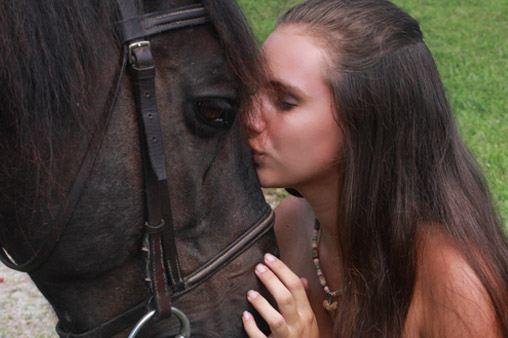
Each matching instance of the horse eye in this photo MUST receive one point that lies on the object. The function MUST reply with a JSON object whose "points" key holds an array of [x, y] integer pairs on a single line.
{"points": [[217, 113]]}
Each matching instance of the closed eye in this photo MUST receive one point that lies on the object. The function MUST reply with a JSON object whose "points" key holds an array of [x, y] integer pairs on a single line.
{"points": [[286, 102], [286, 105]]}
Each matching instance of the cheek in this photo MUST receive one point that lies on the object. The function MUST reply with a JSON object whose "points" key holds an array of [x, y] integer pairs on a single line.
{"points": [[291, 143], [325, 146]]}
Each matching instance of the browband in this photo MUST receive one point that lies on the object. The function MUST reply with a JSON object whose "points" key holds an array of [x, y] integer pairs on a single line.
{"points": [[132, 27]]}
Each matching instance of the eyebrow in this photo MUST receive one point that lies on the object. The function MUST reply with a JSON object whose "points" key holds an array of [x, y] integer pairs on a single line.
{"points": [[280, 86]]}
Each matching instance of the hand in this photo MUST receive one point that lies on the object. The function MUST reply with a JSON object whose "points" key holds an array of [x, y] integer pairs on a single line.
{"points": [[296, 318]]}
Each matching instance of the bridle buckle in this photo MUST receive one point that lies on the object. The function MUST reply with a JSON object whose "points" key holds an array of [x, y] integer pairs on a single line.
{"points": [[136, 45]]}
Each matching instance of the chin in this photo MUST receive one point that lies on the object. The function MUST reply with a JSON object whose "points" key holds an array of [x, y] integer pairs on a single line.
{"points": [[270, 179], [265, 183]]}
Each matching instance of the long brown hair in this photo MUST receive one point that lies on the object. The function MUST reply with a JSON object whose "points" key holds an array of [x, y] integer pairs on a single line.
{"points": [[405, 165]]}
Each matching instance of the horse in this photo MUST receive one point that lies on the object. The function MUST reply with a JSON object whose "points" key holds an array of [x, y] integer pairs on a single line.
{"points": [[130, 196]]}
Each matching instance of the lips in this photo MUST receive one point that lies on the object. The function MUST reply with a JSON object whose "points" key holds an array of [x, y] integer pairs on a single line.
{"points": [[257, 157], [257, 154]]}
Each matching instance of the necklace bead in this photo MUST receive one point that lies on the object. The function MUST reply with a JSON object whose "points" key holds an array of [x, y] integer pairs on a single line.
{"points": [[317, 265]]}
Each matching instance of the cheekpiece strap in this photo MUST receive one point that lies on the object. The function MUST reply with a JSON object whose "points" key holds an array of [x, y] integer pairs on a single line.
{"points": [[135, 27]]}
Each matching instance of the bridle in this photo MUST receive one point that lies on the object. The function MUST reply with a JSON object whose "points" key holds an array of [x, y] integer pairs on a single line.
{"points": [[164, 272]]}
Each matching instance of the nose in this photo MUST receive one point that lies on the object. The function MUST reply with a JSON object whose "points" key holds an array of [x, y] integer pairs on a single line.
{"points": [[255, 120], [255, 123]]}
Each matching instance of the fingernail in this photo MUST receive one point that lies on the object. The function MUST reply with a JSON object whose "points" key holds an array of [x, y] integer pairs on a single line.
{"points": [[252, 294], [269, 258], [260, 268], [246, 315]]}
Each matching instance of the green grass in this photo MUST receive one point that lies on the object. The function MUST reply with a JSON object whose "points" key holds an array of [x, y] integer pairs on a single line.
{"points": [[469, 41]]}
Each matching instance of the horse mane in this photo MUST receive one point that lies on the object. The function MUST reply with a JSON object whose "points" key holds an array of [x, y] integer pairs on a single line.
{"points": [[48, 69], [50, 64]]}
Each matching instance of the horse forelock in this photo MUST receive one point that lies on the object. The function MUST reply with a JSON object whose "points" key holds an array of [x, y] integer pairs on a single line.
{"points": [[238, 41]]}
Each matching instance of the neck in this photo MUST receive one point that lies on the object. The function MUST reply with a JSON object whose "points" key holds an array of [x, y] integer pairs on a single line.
{"points": [[323, 198], [324, 201]]}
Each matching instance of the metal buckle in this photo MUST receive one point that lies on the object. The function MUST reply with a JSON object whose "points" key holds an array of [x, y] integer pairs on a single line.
{"points": [[134, 45]]}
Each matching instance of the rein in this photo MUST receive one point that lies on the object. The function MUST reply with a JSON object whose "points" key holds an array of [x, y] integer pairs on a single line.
{"points": [[164, 272]]}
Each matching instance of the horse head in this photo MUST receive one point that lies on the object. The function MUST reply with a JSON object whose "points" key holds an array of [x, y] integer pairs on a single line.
{"points": [[77, 148]]}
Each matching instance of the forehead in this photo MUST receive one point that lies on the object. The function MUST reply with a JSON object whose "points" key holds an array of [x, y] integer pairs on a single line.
{"points": [[295, 58]]}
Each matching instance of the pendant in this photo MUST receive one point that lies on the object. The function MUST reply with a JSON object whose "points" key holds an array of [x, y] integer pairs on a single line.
{"points": [[330, 307]]}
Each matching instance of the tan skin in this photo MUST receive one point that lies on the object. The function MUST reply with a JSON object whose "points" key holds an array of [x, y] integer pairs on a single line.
{"points": [[295, 218], [296, 141]]}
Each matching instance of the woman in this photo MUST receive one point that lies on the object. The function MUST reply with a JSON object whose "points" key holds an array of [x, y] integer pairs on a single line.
{"points": [[396, 218]]}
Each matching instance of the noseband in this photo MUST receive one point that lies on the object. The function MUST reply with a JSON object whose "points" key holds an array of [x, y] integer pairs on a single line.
{"points": [[164, 272]]}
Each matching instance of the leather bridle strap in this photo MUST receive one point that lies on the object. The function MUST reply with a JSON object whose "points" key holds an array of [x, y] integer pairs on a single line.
{"points": [[111, 327], [158, 226], [164, 266], [207, 270], [132, 26], [233, 250]]}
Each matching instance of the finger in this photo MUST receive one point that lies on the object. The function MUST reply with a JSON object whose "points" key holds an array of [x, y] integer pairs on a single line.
{"points": [[273, 318], [250, 326], [291, 281], [284, 298], [305, 284]]}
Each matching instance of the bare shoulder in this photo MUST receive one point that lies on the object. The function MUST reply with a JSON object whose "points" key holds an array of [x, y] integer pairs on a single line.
{"points": [[290, 209], [291, 215], [449, 298]]}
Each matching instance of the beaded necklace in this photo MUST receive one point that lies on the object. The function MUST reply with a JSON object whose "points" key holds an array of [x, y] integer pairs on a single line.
{"points": [[328, 305]]}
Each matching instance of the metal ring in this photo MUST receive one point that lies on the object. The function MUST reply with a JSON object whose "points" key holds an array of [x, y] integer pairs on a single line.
{"points": [[185, 330]]}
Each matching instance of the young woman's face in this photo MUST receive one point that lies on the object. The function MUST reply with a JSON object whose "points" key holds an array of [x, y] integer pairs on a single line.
{"points": [[294, 136]]}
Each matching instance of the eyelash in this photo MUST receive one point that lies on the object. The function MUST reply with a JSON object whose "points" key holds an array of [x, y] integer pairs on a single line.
{"points": [[284, 103], [286, 106]]}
